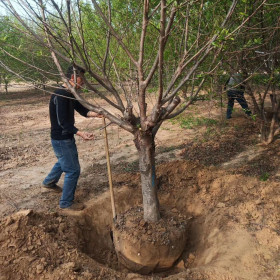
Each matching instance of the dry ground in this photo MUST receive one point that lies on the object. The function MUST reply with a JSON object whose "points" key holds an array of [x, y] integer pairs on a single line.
{"points": [[214, 174]]}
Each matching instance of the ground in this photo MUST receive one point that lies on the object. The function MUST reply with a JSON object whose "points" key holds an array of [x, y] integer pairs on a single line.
{"points": [[212, 173]]}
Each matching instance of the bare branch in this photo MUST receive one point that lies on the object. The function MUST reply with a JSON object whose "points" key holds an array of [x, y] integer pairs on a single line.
{"points": [[113, 32], [142, 85], [108, 38], [167, 32], [205, 50]]}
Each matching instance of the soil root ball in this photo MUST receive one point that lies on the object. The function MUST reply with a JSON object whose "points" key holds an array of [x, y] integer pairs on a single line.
{"points": [[148, 247]]}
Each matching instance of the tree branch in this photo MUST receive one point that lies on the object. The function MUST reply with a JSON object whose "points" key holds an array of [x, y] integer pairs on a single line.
{"points": [[113, 32]]}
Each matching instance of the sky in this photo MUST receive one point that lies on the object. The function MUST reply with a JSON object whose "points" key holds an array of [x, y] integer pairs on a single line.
{"points": [[17, 6], [3, 10]]}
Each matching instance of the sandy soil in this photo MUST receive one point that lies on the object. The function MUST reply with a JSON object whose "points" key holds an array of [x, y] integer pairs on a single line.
{"points": [[218, 177]]}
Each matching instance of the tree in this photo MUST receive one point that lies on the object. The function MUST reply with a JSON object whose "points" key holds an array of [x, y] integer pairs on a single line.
{"points": [[127, 48]]}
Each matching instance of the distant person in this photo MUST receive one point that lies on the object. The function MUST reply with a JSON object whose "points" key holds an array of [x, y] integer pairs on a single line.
{"points": [[235, 91], [62, 106]]}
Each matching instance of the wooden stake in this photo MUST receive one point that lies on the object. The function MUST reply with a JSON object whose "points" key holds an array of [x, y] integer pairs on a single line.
{"points": [[109, 170]]}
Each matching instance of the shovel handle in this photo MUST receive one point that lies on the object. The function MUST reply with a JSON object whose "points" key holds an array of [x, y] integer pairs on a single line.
{"points": [[109, 170]]}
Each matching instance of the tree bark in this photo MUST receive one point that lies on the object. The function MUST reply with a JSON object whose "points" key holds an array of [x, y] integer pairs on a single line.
{"points": [[6, 86], [144, 142]]}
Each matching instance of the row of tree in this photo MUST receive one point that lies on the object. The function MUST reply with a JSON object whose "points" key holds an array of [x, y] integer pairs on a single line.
{"points": [[176, 47]]}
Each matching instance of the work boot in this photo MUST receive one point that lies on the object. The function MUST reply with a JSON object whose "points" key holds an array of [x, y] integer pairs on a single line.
{"points": [[74, 207], [53, 187]]}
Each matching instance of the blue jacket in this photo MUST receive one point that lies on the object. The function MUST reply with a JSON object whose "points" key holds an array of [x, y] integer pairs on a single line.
{"points": [[62, 114]]}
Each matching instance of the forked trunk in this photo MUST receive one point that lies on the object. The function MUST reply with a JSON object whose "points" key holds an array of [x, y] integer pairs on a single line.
{"points": [[144, 143]]}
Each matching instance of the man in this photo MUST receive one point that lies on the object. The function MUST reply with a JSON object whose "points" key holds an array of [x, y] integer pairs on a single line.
{"points": [[235, 91], [62, 107]]}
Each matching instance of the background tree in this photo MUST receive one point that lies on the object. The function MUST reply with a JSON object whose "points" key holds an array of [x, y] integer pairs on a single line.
{"points": [[21, 59]]}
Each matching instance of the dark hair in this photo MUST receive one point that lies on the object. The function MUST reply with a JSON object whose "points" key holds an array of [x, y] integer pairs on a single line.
{"points": [[70, 71]]}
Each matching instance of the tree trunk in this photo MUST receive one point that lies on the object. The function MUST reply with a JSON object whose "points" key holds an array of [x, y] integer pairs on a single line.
{"points": [[144, 142]]}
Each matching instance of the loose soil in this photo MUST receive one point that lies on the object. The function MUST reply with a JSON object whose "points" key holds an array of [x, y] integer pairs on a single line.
{"points": [[217, 179], [145, 247]]}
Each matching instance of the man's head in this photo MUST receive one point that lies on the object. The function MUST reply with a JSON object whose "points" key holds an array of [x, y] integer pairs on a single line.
{"points": [[79, 76]]}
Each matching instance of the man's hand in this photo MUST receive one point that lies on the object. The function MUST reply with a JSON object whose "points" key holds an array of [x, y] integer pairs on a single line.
{"points": [[91, 114], [85, 135]]}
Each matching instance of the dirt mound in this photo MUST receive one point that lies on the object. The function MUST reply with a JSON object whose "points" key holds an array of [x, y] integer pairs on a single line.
{"points": [[41, 246], [234, 232]]}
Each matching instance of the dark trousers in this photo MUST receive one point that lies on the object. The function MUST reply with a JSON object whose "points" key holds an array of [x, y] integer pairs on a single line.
{"points": [[239, 97]]}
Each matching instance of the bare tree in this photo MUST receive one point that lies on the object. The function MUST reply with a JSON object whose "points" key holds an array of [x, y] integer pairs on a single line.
{"points": [[171, 44]]}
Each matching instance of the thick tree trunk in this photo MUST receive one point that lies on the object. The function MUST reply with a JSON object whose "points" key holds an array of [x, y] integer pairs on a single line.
{"points": [[144, 143]]}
